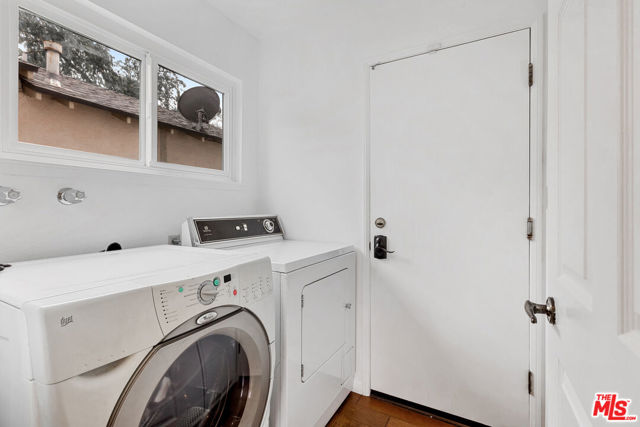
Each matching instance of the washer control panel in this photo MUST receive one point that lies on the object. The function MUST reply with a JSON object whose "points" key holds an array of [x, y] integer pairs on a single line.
{"points": [[243, 285], [256, 290]]}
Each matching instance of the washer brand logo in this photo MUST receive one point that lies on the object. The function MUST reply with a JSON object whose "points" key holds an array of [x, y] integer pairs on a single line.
{"points": [[611, 408], [64, 321]]}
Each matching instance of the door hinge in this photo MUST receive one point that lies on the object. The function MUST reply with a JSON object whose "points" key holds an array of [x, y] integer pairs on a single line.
{"points": [[301, 371], [302, 301], [530, 74], [530, 228], [530, 383]]}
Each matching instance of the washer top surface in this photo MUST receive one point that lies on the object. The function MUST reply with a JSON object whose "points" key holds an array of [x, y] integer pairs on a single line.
{"points": [[289, 255], [39, 279]]}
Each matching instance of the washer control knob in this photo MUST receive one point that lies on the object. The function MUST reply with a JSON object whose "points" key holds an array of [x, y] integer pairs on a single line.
{"points": [[207, 292], [268, 225]]}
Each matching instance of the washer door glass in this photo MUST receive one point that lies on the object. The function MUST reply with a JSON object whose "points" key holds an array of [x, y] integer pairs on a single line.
{"points": [[216, 375]]}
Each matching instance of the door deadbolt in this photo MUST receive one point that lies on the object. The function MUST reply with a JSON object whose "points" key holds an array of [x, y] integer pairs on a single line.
{"points": [[549, 308], [380, 222]]}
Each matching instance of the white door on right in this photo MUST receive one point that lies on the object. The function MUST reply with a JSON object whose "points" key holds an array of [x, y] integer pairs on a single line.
{"points": [[593, 214], [450, 177]]}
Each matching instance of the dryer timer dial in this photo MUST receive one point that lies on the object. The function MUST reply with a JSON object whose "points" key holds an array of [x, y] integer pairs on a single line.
{"points": [[268, 225]]}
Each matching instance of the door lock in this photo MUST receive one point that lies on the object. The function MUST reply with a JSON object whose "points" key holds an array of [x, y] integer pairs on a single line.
{"points": [[380, 222], [380, 250], [549, 309]]}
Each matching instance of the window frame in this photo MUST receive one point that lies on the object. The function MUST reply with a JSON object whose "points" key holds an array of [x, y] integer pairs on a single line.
{"points": [[209, 80], [139, 44]]}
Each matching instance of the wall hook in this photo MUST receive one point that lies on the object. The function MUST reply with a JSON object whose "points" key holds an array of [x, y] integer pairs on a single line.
{"points": [[71, 196], [9, 196]]}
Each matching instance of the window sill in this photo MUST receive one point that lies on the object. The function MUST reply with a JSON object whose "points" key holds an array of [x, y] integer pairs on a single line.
{"points": [[109, 163]]}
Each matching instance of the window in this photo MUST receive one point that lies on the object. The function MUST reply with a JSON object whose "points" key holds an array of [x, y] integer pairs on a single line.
{"points": [[74, 92], [109, 95], [189, 122]]}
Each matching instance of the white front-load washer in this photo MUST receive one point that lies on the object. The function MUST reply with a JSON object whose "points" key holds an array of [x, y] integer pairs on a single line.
{"points": [[315, 285], [157, 336]]}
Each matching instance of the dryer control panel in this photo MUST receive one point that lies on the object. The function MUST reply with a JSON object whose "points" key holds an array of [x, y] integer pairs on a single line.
{"points": [[221, 232], [240, 286]]}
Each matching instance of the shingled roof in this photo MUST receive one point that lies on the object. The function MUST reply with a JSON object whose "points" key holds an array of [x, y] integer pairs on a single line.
{"points": [[81, 92]]}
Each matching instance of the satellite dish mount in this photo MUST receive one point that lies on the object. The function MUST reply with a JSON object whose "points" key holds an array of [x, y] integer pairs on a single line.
{"points": [[199, 105]]}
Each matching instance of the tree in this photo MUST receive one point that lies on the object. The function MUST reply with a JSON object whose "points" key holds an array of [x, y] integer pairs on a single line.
{"points": [[92, 62], [170, 87], [129, 73], [82, 58]]}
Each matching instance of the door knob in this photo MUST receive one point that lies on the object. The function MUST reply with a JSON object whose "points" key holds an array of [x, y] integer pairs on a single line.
{"points": [[549, 309], [380, 250]]}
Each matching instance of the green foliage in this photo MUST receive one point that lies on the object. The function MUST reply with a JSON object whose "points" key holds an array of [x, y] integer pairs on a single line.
{"points": [[170, 86], [82, 58], [129, 73], [92, 62]]}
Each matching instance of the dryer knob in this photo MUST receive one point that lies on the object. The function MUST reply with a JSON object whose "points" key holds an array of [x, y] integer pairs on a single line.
{"points": [[269, 225], [207, 292]]}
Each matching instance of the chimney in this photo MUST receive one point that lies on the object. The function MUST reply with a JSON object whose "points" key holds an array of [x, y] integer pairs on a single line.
{"points": [[54, 50]]}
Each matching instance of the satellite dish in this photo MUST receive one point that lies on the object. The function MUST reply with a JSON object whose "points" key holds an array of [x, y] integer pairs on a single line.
{"points": [[199, 105]]}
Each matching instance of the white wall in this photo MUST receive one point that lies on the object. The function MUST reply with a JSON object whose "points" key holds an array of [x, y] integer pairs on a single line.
{"points": [[314, 98], [313, 91], [129, 208]]}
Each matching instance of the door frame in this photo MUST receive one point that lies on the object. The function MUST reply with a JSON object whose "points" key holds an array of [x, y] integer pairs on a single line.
{"points": [[537, 203]]}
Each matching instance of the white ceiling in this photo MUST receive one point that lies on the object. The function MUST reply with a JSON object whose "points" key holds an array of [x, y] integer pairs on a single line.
{"points": [[263, 18]]}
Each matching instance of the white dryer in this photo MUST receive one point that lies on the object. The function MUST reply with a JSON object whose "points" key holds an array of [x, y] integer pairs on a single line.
{"points": [[316, 284], [157, 336]]}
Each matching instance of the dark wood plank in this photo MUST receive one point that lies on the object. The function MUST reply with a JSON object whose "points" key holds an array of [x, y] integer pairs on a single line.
{"points": [[340, 420], [352, 399], [364, 411], [394, 422], [398, 412], [364, 417]]}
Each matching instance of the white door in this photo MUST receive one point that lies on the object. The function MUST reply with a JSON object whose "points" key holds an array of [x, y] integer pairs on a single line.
{"points": [[593, 211], [450, 176]]}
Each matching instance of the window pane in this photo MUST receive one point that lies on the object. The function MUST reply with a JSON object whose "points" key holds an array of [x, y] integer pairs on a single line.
{"points": [[189, 122], [74, 92]]}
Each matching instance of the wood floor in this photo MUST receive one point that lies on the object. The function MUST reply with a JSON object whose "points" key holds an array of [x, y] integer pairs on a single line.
{"points": [[363, 411]]}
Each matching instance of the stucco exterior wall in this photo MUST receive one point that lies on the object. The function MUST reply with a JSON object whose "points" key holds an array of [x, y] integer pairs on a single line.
{"points": [[47, 120], [183, 149]]}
